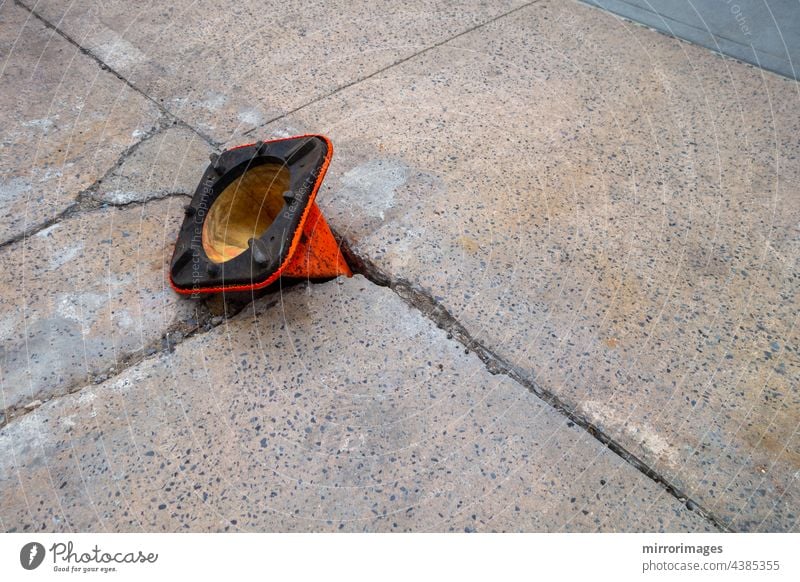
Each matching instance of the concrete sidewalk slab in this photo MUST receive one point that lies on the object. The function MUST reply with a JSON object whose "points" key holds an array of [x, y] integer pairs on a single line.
{"points": [[612, 211], [231, 69], [65, 122], [169, 162], [273, 423], [87, 294]]}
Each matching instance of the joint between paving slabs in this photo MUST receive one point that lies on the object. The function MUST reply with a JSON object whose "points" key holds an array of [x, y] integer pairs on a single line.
{"points": [[424, 302], [415, 297], [105, 67], [396, 63], [85, 201], [209, 313]]}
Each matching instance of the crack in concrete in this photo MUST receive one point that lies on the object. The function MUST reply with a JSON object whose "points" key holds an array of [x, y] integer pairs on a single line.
{"points": [[387, 67], [85, 200], [104, 66], [425, 303], [207, 317], [407, 291]]}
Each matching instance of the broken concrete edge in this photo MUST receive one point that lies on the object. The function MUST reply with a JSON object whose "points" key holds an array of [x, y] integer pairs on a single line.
{"points": [[423, 301]]}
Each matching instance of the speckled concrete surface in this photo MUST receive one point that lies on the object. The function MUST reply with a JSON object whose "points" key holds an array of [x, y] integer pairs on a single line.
{"points": [[88, 293], [231, 69], [611, 210], [270, 423], [169, 162], [62, 126]]}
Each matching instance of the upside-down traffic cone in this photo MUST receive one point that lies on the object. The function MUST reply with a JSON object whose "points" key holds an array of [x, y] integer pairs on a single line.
{"points": [[254, 219]]}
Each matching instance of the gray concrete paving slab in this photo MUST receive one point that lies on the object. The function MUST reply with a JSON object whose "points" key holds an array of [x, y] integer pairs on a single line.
{"points": [[765, 33], [272, 423], [229, 69], [65, 122], [169, 162], [86, 295], [612, 211]]}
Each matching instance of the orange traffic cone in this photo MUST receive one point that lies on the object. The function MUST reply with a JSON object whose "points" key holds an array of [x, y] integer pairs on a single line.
{"points": [[254, 219], [317, 255]]}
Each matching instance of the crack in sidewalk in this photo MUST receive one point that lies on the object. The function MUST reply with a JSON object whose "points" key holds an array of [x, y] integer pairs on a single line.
{"points": [[217, 145], [104, 66], [396, 63], [85, 200], [429, 307], [423, 302], [208, 315]]}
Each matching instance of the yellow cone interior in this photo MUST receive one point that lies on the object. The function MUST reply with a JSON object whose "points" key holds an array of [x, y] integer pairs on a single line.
{"points": [[244, 210]]}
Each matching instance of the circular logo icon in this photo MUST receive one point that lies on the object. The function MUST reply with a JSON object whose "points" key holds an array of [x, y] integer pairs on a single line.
{"points": [[31, 555]]}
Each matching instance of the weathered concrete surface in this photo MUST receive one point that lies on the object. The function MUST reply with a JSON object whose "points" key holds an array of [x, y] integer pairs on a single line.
{"points": [[169, 162], [270, 422], [227, 70], [86, 293], [611, 210], [64, 120]]}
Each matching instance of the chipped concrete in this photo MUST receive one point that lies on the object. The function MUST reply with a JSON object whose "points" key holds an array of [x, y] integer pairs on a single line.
{"points": [[269, 424]]}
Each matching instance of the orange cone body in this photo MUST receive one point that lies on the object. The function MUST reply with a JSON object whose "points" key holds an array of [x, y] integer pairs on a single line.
{"points": [[317, 255]]}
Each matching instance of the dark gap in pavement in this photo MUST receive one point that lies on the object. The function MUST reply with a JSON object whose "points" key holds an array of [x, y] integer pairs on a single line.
{"points": [[85, 202], [105, 67], [387, 67], [209, 314], [420, 300], [433, 310]]}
